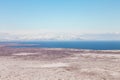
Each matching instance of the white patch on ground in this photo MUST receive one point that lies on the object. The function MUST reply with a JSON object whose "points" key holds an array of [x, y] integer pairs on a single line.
{"points": [[110, 50], [55, 65], [102, 55], [24, 54], [72, 58], [47, 65]]}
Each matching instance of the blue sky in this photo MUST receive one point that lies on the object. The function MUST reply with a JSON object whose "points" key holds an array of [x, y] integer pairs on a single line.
{"points": [[85, 16]]}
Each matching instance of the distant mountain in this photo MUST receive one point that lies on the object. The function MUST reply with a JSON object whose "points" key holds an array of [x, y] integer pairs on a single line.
{"points": [[58, 36], [104, 36], [40, 36]]}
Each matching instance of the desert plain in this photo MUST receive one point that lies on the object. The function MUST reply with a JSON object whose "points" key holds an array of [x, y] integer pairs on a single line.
{"points": [[58, 64]]}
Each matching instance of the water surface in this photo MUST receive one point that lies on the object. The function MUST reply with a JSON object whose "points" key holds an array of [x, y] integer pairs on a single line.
{"points": [[95, 45]]}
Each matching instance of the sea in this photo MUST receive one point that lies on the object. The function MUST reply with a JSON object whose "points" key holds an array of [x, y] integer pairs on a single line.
{"points": [[93, 45]]}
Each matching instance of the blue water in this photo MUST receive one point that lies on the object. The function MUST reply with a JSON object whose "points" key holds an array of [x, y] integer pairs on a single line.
{"points": [[94, 45]]}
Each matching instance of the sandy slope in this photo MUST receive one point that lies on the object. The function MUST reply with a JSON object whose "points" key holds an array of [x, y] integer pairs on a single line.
{"points": [[77, 65]]}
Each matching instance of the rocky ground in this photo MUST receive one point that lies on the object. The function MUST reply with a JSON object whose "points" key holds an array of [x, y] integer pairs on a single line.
{"points": [[58, 64]]}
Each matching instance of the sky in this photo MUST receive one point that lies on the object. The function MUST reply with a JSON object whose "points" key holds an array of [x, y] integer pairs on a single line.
{"points": [[84, 16]]}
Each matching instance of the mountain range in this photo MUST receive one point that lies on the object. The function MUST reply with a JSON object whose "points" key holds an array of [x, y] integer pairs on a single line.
{"points": [[4, 36]]}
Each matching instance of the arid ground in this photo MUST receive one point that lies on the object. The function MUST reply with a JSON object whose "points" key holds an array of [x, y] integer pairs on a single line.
{"points": [[58, 64]]}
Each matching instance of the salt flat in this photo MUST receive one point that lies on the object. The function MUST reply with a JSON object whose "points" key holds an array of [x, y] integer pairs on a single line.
{"points": [[58, 64]]}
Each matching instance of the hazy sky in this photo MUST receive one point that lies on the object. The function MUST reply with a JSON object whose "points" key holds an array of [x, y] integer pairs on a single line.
{"points": [[85, 16]]}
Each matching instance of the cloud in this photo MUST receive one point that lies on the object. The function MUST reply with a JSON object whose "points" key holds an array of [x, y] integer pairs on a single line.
{"points": [[10, 36], [103, 36]]}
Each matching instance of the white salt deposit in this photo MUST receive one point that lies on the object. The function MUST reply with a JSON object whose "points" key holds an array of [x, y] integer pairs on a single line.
{"points": [[102, 55], [24, 54], [47, 65], [54, 65]]}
